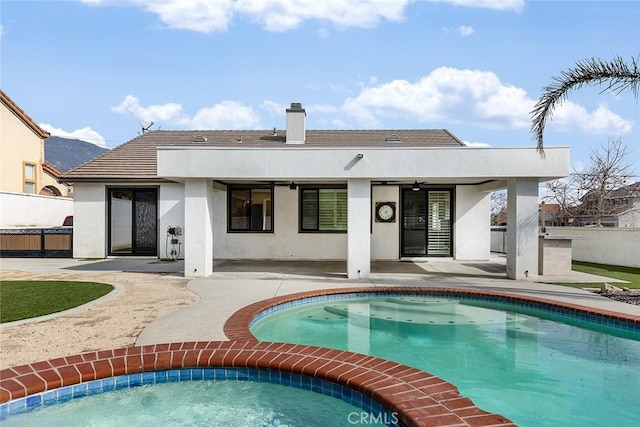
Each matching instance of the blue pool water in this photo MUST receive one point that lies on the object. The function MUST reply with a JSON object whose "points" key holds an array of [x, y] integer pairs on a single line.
{"points": [[193, 397], [532, 370]]}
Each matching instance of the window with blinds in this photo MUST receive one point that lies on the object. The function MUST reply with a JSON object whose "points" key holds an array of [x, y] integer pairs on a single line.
{"points": [[439, 223], [323, 210]]}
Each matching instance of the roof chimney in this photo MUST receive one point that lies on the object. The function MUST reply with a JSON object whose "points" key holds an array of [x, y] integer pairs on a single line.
{"points": [[296, 124]]}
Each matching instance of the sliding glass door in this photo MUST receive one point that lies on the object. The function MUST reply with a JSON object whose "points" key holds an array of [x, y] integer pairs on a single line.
{"points": [[133, 221], [426, 223]]}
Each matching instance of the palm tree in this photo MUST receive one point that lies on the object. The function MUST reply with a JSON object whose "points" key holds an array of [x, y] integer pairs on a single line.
{"points": [[617, 73]]}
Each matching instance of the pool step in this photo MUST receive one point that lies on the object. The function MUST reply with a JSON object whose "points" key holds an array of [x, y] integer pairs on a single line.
{"points": [[414, 313]]}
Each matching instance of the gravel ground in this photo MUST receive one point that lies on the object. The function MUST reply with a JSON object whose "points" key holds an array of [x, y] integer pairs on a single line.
{"points": [[630, 297], [140, 298]]}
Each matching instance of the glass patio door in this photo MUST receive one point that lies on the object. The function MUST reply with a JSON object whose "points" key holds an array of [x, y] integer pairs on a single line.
{"points": [[133, 221], [426, 223]]}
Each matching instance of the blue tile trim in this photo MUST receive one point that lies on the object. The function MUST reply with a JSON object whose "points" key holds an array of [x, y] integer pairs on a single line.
{"points": [[304, 382], [532, 308]]}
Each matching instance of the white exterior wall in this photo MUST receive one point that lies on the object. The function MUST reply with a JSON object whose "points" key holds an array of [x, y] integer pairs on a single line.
{"points": [[297, 162], [284, 243], [385, 240], [89, 221], [170, 213], [90, 207], [30, 210], [606, 245], [471, 231]]}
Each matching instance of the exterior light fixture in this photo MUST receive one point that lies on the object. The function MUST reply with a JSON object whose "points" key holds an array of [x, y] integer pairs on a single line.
{"points": [[415, 186], [293, 186]]}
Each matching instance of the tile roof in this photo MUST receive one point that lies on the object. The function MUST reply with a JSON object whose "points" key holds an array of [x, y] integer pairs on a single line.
{"points": [[51, 170], [136, 159]]}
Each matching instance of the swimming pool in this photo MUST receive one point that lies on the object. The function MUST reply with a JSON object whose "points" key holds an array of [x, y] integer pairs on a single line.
{"points": [[533, 370], [379, 387], [192, 397]]}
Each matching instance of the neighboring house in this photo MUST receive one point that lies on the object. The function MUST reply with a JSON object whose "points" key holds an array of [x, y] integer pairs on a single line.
{"points": [[549, 211], [550, 214], [22, 149], [354, 195], [23, 168], [620, 208], [51, 185], [500, 219], [24, 175]]}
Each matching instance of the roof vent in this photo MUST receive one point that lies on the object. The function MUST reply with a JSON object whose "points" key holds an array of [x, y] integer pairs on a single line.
{"points": [[296, 106], [392, 138], [199, 138]]}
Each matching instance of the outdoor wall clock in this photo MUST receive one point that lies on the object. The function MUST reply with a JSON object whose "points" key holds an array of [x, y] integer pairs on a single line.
{"points": [[385, 211]]}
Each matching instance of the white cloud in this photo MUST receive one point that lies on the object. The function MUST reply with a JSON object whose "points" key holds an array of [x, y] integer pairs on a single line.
{"points": [[514, 5], [465, 30], [602, 120], [273, 15], [170, 112], [273, 108], [224, 115], [450, 95], [445, 95], [283, 15], [85, 134]]}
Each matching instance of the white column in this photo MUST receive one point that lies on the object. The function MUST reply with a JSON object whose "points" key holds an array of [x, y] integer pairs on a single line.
{"points": [[198, 228], [522, 228], [359, 228], [472, 238]]}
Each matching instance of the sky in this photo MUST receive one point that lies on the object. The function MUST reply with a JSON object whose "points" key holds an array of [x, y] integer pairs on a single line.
{"points": [[93, 69]]}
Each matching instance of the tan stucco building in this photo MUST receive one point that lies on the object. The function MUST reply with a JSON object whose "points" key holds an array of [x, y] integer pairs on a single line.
{"points": [[22, 164]]}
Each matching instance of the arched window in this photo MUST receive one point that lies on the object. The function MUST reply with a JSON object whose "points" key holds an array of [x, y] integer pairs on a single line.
{"points": [[50, 190]]}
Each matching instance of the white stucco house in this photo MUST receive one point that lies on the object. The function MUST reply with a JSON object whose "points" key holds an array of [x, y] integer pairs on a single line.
{"points": [[298, 194]]}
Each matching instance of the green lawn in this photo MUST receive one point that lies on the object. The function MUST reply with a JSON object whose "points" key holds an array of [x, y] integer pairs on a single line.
{"points": [[23, 299], [630, 274]]}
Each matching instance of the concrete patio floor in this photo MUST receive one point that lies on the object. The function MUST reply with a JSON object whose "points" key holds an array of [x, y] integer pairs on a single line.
{"points": [[235, 284]]}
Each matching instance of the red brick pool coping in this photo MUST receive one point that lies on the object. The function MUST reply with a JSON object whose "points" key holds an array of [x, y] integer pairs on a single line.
{"points": [[418, 398]]}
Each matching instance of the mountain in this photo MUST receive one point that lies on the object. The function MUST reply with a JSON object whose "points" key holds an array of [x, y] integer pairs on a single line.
{"points": [[65, 154]]}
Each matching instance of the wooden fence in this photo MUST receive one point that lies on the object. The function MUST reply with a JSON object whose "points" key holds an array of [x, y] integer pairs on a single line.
{"points": [[36, 242]]}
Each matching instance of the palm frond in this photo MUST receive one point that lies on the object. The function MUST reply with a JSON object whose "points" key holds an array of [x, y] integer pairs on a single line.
{"points": [[616, 75]]}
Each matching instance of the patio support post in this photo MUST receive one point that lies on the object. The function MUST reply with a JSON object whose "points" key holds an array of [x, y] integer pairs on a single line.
{"points": [[359, 228], [198, 227], [522, 228]]}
